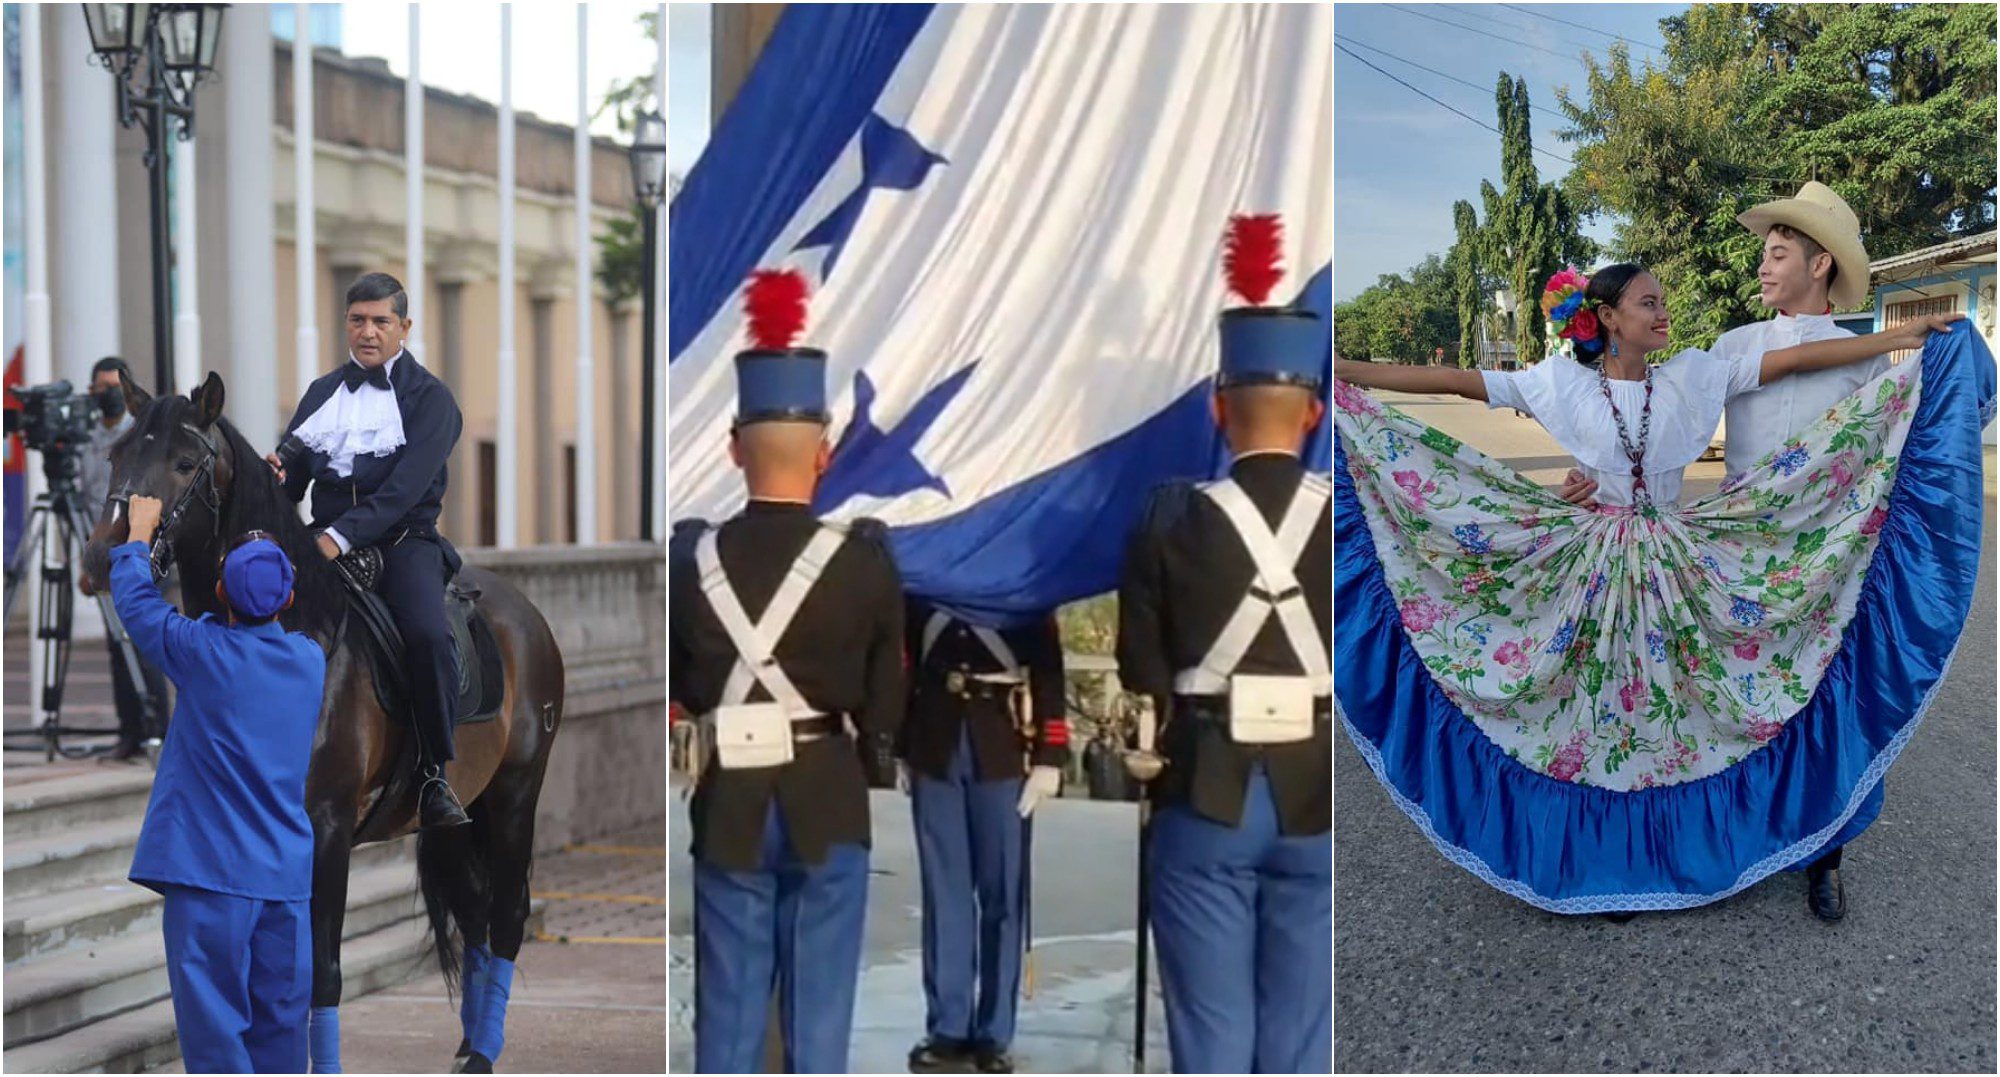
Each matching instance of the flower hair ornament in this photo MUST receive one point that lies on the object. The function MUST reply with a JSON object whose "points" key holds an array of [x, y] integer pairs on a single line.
{"points": [[1563, 306]]}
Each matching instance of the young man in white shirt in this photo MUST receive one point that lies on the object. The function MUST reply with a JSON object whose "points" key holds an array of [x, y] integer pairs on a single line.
{"points": [[1813, 264]]}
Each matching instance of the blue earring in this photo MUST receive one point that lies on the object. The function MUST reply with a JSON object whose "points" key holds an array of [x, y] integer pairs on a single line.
{"points": [[1614, 349]]}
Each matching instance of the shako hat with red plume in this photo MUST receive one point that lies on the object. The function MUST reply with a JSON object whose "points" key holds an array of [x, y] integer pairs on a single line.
{"points": [[1264, 345], [775, 381]]}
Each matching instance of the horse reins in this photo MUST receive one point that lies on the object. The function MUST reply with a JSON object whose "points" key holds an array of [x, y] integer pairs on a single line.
{"points": [[161, 553]]}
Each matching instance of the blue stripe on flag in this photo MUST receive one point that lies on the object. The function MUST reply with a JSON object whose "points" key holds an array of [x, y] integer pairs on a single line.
{"points": [[1061, 535], [815, 82]]}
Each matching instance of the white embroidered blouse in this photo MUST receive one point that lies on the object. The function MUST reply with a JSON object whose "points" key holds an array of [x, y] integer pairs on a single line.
{"points": [[1689, 392]]}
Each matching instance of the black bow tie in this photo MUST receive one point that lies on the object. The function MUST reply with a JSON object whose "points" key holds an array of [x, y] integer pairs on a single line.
{"points": [[354, 374]]}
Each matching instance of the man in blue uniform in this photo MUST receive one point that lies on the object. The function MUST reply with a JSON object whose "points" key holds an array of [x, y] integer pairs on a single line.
{"points": [[1225, 611], [372, 438], [785, 645], [226, 839], [985, 740]]}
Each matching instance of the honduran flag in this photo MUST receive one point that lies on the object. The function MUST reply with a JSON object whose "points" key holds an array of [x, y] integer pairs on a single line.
{"points": [[1011, 218]]}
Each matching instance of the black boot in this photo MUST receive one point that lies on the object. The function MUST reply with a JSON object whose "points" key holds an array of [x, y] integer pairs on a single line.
{"points": [[987, 1058], [940, 1055], [437, 805], [1823, 893]]}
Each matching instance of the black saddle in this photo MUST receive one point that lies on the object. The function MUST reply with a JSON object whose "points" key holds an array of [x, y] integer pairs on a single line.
{"points": [[474, 649]]}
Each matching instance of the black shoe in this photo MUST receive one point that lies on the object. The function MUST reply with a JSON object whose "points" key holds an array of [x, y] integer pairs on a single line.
{"points": [[1618, 917], [127, 751], [439, 807], [940, 1055], [1823, 893], [987, 1058]]}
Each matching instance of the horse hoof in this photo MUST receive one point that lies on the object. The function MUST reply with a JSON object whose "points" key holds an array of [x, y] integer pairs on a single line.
{"points": [[464, 1049], [476, 1063]]}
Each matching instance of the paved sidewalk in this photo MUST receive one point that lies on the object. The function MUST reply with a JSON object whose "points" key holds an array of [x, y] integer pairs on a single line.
{"points": [[589, 994]]}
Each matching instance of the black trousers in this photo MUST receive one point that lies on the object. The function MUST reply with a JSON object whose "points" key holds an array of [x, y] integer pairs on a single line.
{"points": [[132, 724], [413, 578]]}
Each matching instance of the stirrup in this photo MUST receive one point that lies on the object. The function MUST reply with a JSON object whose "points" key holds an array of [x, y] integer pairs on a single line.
{"points": [[452, 812]]}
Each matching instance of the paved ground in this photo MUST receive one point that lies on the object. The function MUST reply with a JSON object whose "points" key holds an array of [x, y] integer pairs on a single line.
{"points": [[1080, 1018], [1436, 972], [589, 996]]}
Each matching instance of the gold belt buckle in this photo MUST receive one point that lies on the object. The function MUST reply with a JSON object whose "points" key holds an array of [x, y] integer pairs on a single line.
{"points": [[954, 682]]}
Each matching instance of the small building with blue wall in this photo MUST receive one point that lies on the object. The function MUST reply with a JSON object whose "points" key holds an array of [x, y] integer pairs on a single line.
{"points": [[1957, 276]]}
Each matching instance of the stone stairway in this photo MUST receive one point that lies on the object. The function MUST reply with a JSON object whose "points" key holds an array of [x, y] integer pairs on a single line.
{"points": [[86, 980]]}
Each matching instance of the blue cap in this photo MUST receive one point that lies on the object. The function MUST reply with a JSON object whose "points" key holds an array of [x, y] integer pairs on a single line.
{"points": [[781, 385], [1272, 346], [258, 578]]}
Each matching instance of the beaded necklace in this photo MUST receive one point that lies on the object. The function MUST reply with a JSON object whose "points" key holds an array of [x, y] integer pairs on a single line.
{"points": [[1633, 452]]}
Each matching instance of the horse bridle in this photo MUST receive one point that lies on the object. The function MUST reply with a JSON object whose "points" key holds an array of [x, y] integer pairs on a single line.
{"points": [[161, 553]]}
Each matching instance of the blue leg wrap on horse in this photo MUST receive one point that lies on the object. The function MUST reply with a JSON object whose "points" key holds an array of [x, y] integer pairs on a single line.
{"points": [[490, 1034], [472, 987], [323, 1038]]}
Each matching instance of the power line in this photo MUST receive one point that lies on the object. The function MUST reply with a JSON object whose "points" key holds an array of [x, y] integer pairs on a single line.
{"points": [[1462, 82], [1485, 33], [1364, 60], [1591, 29]]}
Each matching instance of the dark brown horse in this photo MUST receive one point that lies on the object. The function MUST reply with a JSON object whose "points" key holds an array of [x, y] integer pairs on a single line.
{"points": [[360, 787]]}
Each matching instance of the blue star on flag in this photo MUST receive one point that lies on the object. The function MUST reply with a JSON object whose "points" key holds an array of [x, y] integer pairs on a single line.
{"points": [[891, 159], [883, 463]]}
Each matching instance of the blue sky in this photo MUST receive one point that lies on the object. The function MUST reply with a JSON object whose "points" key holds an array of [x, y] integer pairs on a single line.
{"points": [[687, 84], [1400, 161]]}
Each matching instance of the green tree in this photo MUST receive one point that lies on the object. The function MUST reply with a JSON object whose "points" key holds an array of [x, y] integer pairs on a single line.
{"points": [[1890, 105], [1530, 229], [1468, 293], [621, 252], [1402, 318]]}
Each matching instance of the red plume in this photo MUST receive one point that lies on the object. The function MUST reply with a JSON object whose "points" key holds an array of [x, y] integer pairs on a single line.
{"points": [[1251, 255], [775, 302]]}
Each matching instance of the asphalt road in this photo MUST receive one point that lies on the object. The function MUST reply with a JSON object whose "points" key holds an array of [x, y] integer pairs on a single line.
{"points": [[1436, 972]]}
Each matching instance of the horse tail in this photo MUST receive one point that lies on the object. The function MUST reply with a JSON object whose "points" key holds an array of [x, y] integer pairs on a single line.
{"points": [[453, 877]]}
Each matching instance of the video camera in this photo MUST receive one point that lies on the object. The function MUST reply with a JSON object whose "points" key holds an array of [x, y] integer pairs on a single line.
{"points": [[55, 420]]}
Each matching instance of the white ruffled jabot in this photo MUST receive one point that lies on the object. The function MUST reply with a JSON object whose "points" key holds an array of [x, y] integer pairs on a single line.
{"points": [[355, 422]]}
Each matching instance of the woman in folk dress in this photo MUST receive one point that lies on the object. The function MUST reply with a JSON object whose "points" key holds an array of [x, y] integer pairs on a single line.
{"points": [[1653, 703]]}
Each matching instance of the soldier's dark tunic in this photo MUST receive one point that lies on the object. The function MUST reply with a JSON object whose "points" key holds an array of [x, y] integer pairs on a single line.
{"points": [[937, 714], [1185, 573], [844, 652]]}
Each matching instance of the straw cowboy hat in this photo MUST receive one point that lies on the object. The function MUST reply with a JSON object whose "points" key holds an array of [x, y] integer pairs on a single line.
{"points": [[1821, 214]]}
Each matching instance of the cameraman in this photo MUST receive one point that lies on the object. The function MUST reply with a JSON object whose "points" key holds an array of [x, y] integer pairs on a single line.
{"points": [[95, 480]]}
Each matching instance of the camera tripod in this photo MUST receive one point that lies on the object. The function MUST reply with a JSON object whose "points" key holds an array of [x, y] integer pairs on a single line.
{"points": [[57, 528]]}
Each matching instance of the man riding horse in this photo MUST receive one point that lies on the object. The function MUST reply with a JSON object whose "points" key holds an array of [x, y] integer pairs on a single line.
{"points": [[372, 439]]}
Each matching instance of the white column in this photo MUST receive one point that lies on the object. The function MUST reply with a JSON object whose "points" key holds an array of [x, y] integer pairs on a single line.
{"points": [[84, 293], [187, 315], [37, 362], [506, 436], [586, 380], [413, 170], [302, 162], [659, 327], [250, 267]]}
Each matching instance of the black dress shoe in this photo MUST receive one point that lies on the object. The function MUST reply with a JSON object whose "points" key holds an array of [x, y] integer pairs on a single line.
{"points": [[127, 751], [1618, 917], [1823, 893], [987, 1058], [940, 1055], [440, 807]]}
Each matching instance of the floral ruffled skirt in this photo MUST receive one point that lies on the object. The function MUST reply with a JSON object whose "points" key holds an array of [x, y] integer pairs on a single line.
{"points": [[1655, 708]]}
